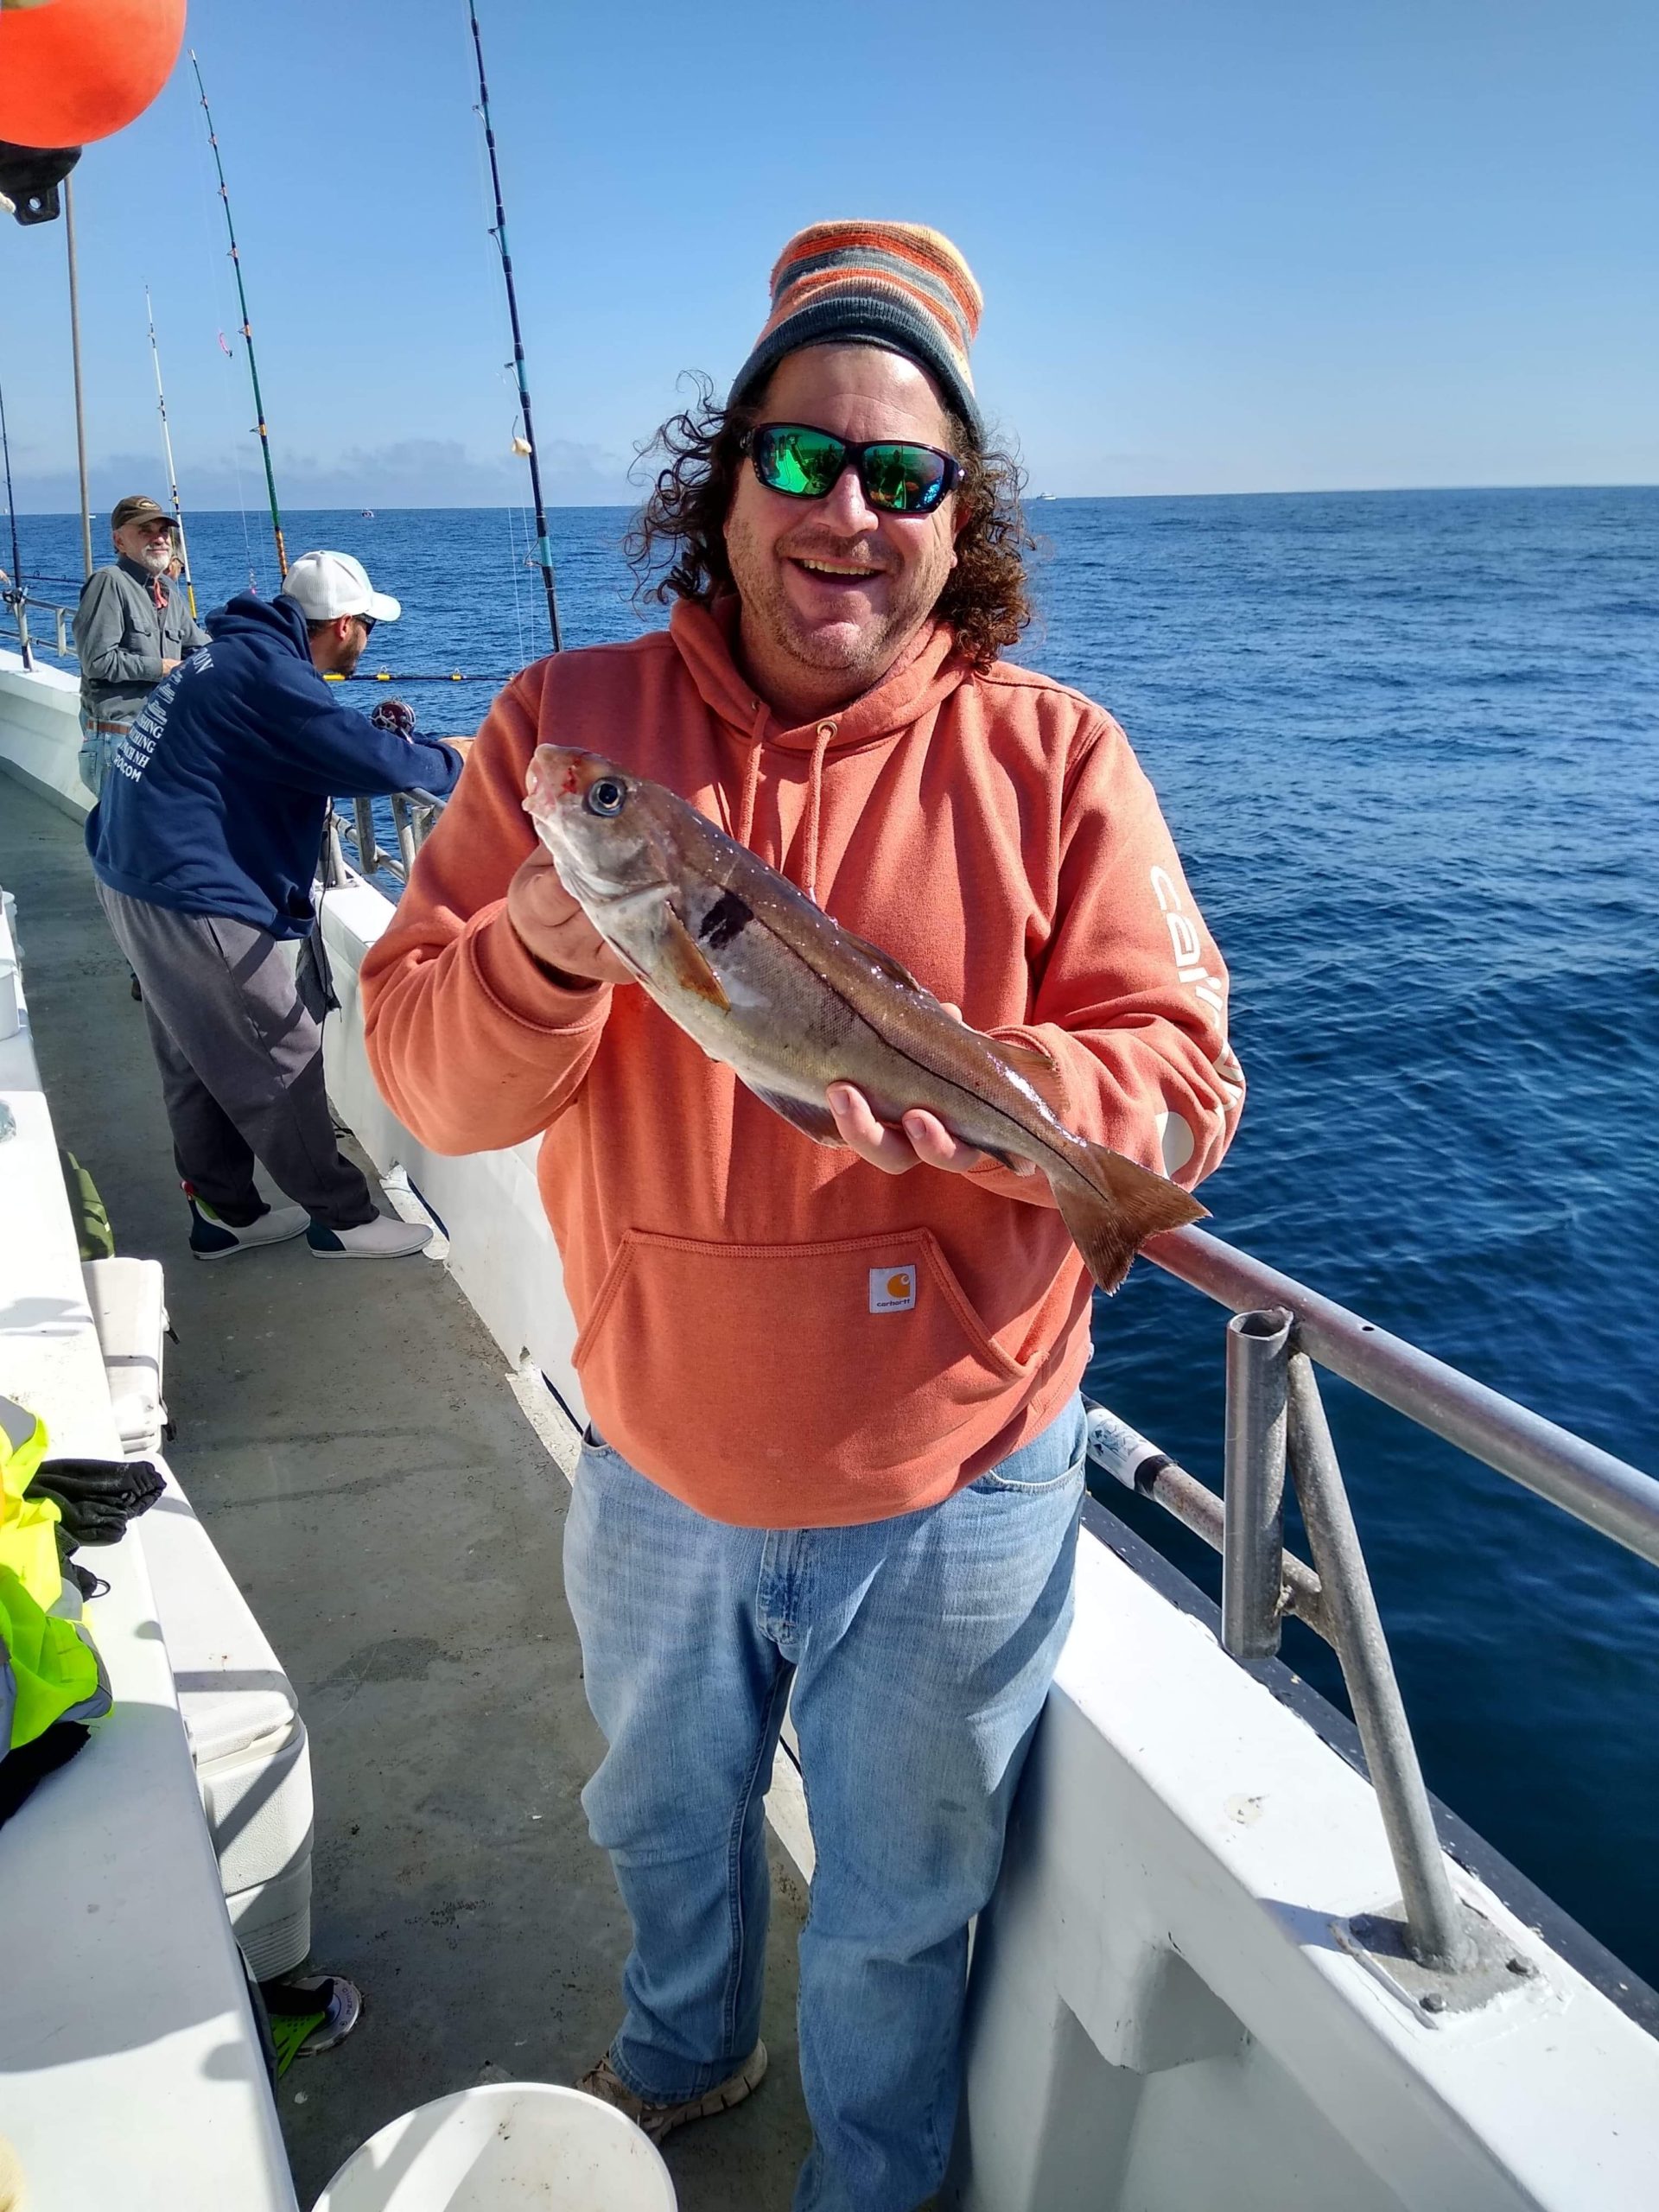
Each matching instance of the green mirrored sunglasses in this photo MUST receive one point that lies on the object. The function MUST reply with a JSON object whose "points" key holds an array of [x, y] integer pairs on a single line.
{"points": [[804, 463]]}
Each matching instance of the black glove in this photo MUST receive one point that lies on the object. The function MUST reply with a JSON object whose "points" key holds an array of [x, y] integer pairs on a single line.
{"points": [[393, 715], [95, 1499]]}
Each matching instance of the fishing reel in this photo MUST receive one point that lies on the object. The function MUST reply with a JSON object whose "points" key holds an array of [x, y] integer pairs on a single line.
{"points": [[29, 177]]}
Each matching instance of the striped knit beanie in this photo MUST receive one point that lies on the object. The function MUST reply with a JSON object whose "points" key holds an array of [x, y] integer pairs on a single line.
{"points": [[894, 285]]}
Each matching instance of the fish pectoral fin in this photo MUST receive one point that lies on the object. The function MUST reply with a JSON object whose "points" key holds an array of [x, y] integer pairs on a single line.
{"points": [[811, 1117], [1111, 1215], [1028, 1060], [687, 963], [894, 971]]}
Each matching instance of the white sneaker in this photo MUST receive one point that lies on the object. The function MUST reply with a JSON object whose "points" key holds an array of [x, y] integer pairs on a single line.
{"points": [[214, 1239], [385, 1238]]}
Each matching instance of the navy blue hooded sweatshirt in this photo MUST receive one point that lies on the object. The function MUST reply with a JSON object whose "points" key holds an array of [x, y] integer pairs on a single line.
{"points": [[217, 797]]}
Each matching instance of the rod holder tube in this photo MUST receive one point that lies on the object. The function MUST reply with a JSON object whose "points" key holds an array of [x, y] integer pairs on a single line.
{"points": [[1137, 1465], [1253, 1485], [1436, 1934]]}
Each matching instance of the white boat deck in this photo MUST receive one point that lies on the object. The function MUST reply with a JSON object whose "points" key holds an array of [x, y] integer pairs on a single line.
{"points": [[123, 1991], [364, 1468]]}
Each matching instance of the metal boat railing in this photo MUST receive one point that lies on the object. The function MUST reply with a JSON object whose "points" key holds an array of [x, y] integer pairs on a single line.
{"points": [[1274, 1426], [1275, 1429], [413, 815], [19, 598]]}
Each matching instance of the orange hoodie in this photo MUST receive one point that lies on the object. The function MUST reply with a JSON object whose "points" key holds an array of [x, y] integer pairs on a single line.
{"points": [[781, 1335]]}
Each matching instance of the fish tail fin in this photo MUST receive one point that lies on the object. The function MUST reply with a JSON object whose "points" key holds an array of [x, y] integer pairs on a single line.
{"points": [[1113, 1209]]}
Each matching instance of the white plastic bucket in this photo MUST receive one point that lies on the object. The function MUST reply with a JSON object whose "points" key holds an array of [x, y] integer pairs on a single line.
{"points": [[504, 2147]]}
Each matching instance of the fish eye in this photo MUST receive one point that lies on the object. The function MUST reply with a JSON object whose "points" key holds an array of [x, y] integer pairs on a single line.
{"points": [[607, 796]]}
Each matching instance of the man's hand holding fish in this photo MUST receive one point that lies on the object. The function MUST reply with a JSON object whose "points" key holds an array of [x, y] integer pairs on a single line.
{"points": [[921, 1139], [553, 928]]}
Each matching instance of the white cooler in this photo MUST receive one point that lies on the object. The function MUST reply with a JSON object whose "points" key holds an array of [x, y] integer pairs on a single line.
{"points": [[128, 1303], [248, 1742]]}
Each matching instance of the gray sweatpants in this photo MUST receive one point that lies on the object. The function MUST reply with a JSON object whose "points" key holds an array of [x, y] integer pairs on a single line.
{"points": [[241, 1060]]}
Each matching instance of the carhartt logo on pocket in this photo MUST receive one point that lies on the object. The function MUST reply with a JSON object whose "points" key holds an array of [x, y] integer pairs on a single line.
{"points": [[893, 1290]]}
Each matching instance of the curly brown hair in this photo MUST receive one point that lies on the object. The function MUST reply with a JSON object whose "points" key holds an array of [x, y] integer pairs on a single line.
{"points": [[676, 544]]}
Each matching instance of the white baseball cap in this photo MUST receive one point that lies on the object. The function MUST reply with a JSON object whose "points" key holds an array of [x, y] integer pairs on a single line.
{"points": [[325, 585]]}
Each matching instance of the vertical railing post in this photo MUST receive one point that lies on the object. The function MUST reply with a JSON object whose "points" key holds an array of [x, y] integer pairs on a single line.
{"points": [[404, 829], [334, 860], [1436, 1934], [368, 853], [1252, 1560]]}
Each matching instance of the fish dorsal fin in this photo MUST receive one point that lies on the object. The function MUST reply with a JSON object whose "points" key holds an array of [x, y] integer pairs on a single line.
{"points": [[686, 961]]}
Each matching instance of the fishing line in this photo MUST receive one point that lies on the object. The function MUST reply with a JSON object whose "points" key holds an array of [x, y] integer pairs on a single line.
{"points": [[167, 447], [498, 232], [447, 676], [226, 412], [515, 564], [515, 560], [241, 492], [14, 594], [247, 329], [11, 512]]}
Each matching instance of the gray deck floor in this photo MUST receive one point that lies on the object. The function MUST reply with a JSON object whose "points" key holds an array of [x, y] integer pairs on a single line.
{"points": [[348, 1436]]}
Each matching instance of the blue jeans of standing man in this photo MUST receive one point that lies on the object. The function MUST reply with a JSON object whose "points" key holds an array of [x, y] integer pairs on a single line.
{"points": [[99, 743], [918, 1652]]}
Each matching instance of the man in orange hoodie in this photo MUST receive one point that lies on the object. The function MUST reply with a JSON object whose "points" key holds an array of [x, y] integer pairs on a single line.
{"points": [[836, 1453]]}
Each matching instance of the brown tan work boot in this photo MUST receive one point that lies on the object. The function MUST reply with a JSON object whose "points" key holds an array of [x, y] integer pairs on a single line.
{"points": [[659, 2121]]}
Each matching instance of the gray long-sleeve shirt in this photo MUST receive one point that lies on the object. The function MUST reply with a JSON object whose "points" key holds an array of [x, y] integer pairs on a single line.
{"points": [[122, 638]]}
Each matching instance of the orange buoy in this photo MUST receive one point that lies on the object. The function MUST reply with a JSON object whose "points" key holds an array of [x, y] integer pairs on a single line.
{"points": [[72, 71]]}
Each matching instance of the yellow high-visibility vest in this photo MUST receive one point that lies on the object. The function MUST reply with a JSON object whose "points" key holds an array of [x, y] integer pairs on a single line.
{"points": [[49, 1668]]}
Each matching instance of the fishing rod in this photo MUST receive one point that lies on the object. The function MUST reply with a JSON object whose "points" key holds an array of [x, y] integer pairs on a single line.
{"points": [[167, 447], [74, 358], [247, 329], [13, 595], [544, 551]]}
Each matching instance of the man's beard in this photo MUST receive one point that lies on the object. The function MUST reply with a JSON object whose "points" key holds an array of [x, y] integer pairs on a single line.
{"points": [[155, 558]]}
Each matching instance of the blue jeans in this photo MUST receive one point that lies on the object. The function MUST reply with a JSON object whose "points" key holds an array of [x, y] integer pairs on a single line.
{"points": [[99, 743], [918, 1652]]}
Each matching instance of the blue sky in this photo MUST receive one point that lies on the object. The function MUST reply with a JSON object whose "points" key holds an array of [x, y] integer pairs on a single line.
{"points": [[1225, 244]]}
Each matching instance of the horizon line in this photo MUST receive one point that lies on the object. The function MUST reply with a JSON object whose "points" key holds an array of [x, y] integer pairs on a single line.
{"points": [[1044, 498]]}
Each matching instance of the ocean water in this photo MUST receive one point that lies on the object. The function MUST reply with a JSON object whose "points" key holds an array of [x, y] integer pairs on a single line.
{"points": [[1409, 744]]}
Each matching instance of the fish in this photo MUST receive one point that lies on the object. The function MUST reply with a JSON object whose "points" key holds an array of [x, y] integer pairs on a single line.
{"points": [[793, 1001]]}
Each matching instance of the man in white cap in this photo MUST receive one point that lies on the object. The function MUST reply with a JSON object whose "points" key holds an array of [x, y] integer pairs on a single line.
{"points": [[205, 846]]}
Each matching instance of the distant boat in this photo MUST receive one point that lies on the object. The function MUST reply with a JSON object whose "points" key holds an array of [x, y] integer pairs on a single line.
{"points": [[366, 514]]}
